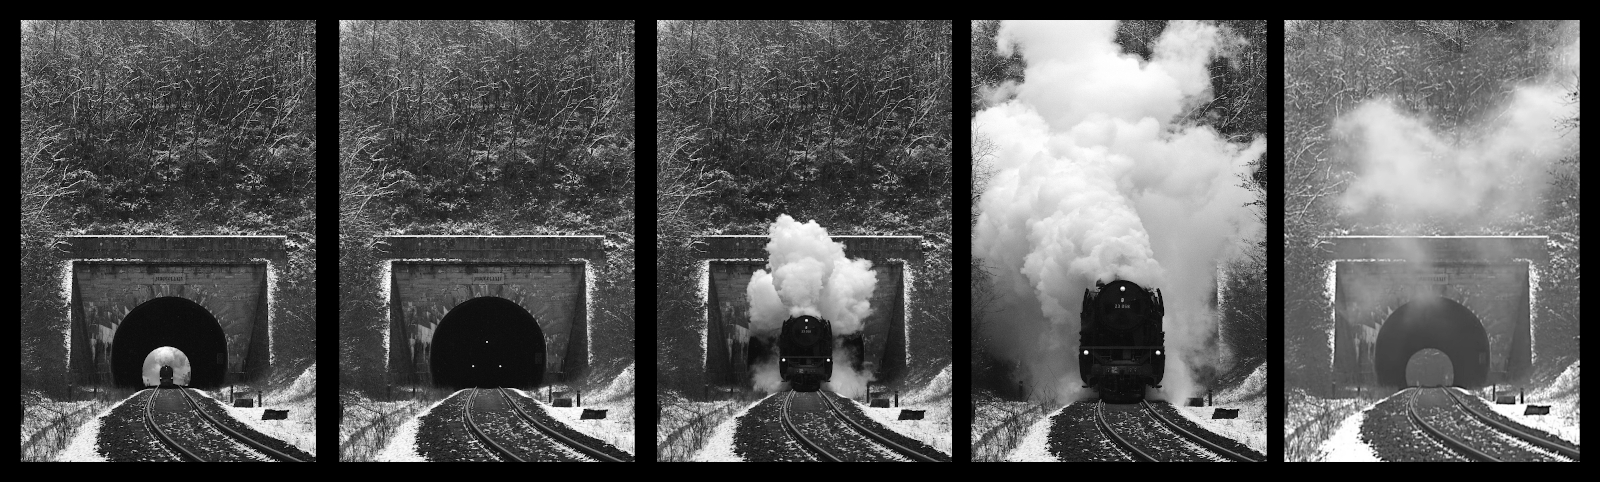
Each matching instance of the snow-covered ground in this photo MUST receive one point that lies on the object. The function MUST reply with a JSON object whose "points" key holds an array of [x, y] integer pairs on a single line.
{"points": [[299, 398], [403, 445], [1035, 447], [1562, 396], [686, 426], [1346, 445], [616, 398], [82, 448], [1250, 398], [720, 447], [48, 426], [935, 427]]}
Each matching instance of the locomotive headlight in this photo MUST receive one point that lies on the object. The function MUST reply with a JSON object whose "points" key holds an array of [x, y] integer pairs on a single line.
{"points": [[1158, 352], [829, 360], [783, 359], [1086, 353]]}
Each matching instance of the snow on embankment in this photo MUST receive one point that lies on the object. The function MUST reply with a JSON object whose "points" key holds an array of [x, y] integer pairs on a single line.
{"points": [[1346, 445], [403, 446], [1562, 396], [1249, 396], [935, 427], [616, 398], [720, 447], [83, 446], [299, 398]]}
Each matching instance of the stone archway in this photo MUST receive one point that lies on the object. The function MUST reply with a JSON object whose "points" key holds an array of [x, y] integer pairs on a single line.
{"points": [[170, 321], [1438, 323], [488, 342]]}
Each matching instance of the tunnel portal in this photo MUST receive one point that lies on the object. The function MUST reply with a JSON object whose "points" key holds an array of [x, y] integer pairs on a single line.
{"points": [[175, 322], [1438, 323], [488, 342]]}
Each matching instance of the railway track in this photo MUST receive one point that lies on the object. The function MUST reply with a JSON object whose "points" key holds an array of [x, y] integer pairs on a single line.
{"points": [[191, 451], [513, 451], [832, 454], [1138, 454], [1146, 454], [1560, 448], [1451, 429], [801, 438], [1192, 437], [874, 435]]}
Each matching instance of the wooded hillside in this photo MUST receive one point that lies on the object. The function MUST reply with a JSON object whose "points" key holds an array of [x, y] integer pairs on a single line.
{"points": [[166, 127], [845, 123], [483, 128], [1459, 77]]}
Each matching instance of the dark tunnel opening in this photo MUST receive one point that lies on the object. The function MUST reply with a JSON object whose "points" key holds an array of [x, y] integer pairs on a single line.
{"points": [[488, 342], [1438, 323], [175, 322]]}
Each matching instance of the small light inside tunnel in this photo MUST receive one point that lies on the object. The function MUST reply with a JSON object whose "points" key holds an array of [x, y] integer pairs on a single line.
{"points": [[1158, 352], [1086, 353], [783, 359], [830, 360]]}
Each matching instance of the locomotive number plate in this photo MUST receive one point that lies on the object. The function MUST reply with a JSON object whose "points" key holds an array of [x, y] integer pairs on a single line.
{"points": [[1121, 306]]}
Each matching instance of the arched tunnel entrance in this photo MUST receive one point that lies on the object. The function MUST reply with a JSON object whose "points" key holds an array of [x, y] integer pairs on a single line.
{"points": [[1429, 367], [1438, 323], [488, 342], [170, 322], [167, 357]]}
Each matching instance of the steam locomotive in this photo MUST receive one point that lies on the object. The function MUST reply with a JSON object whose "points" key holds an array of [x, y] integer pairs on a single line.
{"points": [[1121, 350], [166, 377], [805, 352]]}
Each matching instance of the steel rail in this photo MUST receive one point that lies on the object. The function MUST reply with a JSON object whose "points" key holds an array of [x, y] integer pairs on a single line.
{"points": [[794, 431], [1100, 419], [472, 426], [903, 450], [597, 454], [1209, 445], [280, 456], [161, 435], [1569, 452], [1452, 442]]}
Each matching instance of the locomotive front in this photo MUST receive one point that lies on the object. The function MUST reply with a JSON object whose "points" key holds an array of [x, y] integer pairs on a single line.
{"points": [[805, 352], [1121, 340]]}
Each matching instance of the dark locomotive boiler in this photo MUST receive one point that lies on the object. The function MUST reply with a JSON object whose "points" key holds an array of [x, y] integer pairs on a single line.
{"points": [[1121, 343], [805, 352]]}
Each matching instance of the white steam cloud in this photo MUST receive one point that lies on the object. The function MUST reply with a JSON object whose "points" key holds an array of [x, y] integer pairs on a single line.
{"points": [[1096, 180], [808, 274], [1487, 171]]}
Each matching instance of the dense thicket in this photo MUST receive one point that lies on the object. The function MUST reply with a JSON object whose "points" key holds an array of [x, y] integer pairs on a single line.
{"points": [[484, 127], [166, 127], [1453, 73], [507, 123], [1237, 110], [846, 123]]}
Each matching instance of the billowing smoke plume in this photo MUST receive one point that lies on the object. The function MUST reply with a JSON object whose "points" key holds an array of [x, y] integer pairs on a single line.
{"points": [[1489, 170], [810, 275], [1096, 180]]}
